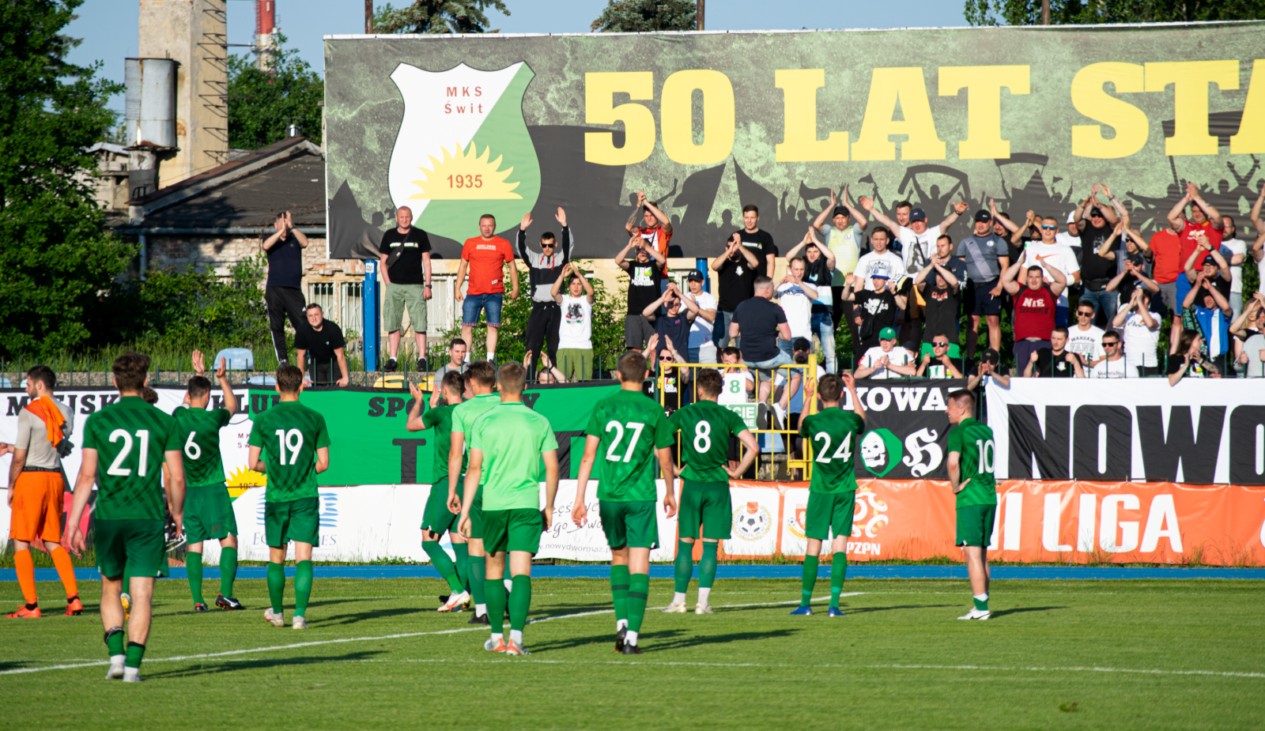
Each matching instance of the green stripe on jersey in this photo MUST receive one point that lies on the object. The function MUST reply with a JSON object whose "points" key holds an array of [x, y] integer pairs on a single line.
{"points": [[130, 437], [836, 437], [705, 429], [289, 434], [631, 427], [199, 432], [512, 437], [977, 451]]}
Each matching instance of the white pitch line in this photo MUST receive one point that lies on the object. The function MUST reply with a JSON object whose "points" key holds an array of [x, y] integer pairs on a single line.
{"points": [[344, 640]]}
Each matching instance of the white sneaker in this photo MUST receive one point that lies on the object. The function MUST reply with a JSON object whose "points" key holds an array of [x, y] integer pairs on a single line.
{"points": [[455, 602], [975, 614], [675, 608], [131, 675], [781, 414], [703, 609], [278, 620], [298, 622], [116, 668]]}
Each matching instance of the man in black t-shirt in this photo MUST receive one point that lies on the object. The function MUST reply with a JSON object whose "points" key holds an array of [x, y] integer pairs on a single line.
{"points": [[283, 292], [873, 310], [757, 240], [736, 269], [940, 284], [1056, 361], [405, 256], [645, 272], [322, 340], [762, 324], [1098, 237]]}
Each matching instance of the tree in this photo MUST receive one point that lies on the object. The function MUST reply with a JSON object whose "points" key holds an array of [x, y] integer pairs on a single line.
{"points": [[55, 252], [262, 103], [645, 16], [437, 16], [1090, 12]]}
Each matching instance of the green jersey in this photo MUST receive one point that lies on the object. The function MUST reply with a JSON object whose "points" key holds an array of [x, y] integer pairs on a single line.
{"points": [[440, 420], [631, 427], [130, 437], [705, 428], [200, 439], [974, 444], [835, 436], [463, 417], [289, 434], [512, 437]]}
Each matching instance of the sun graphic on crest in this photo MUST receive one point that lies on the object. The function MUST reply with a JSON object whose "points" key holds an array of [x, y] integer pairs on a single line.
{"points": [[240, 479], [466, 176]]}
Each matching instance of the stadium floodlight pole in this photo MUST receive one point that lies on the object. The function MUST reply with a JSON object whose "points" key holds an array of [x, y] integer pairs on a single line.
{"points": [[368, 16], [701, 8]]}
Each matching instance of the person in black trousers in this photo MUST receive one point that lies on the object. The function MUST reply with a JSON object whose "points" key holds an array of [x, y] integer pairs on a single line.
{"points": [[543, 270], [283, 292]]}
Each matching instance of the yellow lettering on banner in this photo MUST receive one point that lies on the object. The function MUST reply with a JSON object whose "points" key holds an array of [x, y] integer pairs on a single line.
{"points": [[676, 115], [983, 105], [600, 108], [1090, 99], [907, 88], [1190, 80], [1251, 136], [799, 131]]}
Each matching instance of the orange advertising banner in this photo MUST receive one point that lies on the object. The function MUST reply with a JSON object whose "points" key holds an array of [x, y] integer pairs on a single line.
{"points": [[1037, 521]]}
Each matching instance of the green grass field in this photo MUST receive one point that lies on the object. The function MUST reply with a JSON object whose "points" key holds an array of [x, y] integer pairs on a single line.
{"points": [[1075, 654]]}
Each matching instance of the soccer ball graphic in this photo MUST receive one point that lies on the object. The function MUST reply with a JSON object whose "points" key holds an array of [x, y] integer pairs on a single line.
{"points": [[752, 522]]}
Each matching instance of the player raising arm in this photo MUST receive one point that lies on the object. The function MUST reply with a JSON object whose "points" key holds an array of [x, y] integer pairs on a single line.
{"points": [[631, 431], [480, 377], [971, 453]]}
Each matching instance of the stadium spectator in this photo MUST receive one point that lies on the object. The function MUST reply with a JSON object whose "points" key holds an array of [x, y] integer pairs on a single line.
{"points": [[1085, 339], [457, 363], [283, 291], [575, 331], [988, 367], [819, 263], [1201, 225], [736, 269], [887, 359], [655, 230], [1072, 236], [1114, 365], [880, 259], [1189, 360], [548, 372], [323, 341], [1215, 267], [1133, 272], [1258, 249], [1050, 256], [676, 378], [1055, 361], [543, 270], [844, 240], [986, 256], [1099, 240], [404, 253], [1141, 329], [757, 240], [484, 257], [671, 315], [1035, 306], [939, 284], [938, 363], [731, 360], [1208, 312], [645, 273], [701, 349], [1166, 253], [1249, 330], [795, 296], [1238, 252], [875, 309], [762, 323]]}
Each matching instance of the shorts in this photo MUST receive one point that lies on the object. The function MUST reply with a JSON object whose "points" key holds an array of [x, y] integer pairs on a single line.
{"points": [[476, 516], [975, 525], [705, 504], [576, 364], [830, 512], [473, 304], [518, 529], [137, 546], [208, 513], [436, 517], [765, 367], [1168, 292], [398, 298], [637, 331], [296, 520], [37, 507], [631, 524], [980, 302]]}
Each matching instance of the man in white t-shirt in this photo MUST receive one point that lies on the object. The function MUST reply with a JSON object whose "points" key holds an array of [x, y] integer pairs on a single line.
{"points": [[881, 260], [1071, 237], [701, 347], [1238, 252], [575, 329], [887, 359], [1114, 365], [796, 298], [1047, 254], [1083, 338], [1141, 329]]}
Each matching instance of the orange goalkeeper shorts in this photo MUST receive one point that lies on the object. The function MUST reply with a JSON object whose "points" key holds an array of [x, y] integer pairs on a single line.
{"points": [[37, 507]]}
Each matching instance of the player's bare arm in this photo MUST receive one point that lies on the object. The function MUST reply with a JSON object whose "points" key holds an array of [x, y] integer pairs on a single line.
{"points": [[578, 510]]}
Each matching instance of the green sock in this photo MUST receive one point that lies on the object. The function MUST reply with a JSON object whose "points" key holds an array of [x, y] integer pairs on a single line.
{"points": [[114, 641], [494, 590], [638, 595], [619, 592], [981, 605], [838, 569], [707, 567], [684, 565], [302, 587], [810, 580], [276, 585], [443, 564], [135, 653], [520, 601], [478, 577], [228, 570], [193, 567], [463, 563]]}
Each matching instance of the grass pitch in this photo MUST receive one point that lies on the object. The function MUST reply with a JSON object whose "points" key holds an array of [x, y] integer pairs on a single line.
{"points": [[1077, 654]]}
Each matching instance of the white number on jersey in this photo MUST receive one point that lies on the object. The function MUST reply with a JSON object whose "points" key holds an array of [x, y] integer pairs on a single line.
{"points": [[703, 437], [633, 426], [191, 448], [293, 440], [844, 451], [116, 467], [986, 450]]}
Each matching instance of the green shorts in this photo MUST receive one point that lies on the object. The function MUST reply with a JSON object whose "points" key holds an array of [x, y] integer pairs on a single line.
{"points": [[706, 504], [138, 546], [512, 530], [397, 298], [436, 517], [629, 524], [208, 513], [296, 520], [975, 525], [576, 364], [476, 516], [830, 512]]}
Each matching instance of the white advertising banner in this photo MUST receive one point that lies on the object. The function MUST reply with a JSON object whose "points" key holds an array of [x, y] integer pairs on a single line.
{"points": [[755, 522]]}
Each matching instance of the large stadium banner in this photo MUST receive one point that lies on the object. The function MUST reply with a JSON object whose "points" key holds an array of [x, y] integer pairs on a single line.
{"points": [[906, 427], [1201, 431], [705, 123]]}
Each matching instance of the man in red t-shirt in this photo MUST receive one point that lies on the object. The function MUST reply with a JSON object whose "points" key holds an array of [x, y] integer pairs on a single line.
{"points": [[656, 229], [484, 256], [1035, 308], [1203, 225]]}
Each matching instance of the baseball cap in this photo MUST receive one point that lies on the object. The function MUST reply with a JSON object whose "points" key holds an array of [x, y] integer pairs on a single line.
{"points": [[1071, 217], [694, 276], [887, 333], [1095, 212], [879, 275], [917, 215], [990, 356], [983, 216], [840, 211]]}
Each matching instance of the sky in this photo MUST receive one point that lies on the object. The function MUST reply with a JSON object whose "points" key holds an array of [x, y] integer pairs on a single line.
{"points": [[109, 27]]}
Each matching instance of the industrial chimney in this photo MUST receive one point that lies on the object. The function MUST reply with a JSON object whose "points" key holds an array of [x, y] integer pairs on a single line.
{"points": [[265, 29], [151, 120]]}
